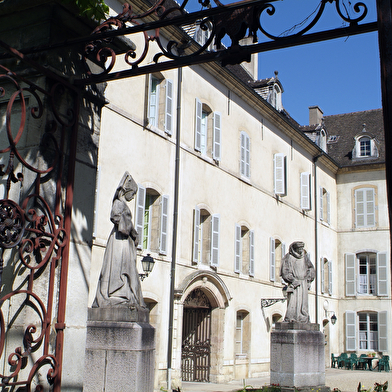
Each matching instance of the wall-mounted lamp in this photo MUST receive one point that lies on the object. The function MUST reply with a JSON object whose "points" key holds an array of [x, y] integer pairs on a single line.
{"points": [[147, 264], [329, 312]]}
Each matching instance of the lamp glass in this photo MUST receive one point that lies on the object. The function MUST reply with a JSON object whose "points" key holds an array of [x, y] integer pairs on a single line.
{"points": [[148, 263]]}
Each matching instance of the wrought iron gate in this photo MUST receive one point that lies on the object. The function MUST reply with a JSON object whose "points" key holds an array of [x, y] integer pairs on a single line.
{"points": [[196, 338]]}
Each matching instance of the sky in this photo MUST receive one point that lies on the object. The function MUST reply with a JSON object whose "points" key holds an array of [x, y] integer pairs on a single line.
{"points": [[340, 76]]}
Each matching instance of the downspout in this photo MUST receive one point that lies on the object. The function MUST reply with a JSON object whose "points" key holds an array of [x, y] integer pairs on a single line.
{"points": [[315, 159], [174, 240]]}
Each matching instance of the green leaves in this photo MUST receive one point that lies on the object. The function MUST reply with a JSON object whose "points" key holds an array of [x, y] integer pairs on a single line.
{"points": [[92, 9]]}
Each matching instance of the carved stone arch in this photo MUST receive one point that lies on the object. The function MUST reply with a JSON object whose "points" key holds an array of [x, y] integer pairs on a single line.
{"points": [[210, 284]]}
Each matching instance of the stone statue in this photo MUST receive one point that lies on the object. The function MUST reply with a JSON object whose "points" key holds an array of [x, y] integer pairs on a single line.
{"points": [[298, 272], [119, 283]]}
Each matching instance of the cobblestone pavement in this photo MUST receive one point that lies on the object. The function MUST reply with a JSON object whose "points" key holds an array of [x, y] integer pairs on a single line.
{"points": [[345, 380]]}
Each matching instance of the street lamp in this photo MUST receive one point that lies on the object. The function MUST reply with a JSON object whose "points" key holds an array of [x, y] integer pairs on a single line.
{"points": [[329, 312], [147, 264]]}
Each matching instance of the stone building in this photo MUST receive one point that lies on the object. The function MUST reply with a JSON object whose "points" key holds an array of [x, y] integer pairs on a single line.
{"points": [[250, 182]]}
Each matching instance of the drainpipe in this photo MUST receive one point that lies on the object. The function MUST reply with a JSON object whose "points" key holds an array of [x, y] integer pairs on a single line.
{"points": [[174, 240], [315, 159]]}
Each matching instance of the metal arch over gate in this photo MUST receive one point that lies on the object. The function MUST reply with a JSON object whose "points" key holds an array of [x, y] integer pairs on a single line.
{"points": [[35, 231]]}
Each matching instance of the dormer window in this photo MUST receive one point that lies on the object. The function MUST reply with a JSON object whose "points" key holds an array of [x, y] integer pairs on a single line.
{"points": [[202, 32], [274, 97], [365, 147]]}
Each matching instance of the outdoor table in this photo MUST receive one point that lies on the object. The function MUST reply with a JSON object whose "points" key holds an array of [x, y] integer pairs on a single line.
{"points": [[369, 361]]}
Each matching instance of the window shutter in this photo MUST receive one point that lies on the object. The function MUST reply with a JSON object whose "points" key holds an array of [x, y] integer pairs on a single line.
{"points": [[139, 218], [382, 274], [272, 259], [153, 94], [215, 222], [351, 337], [321, 209], [251, 253], [330, 277], [216, 148], [198, 114], [169, 107], [359, 208], [305, 191], [196, 230], [279, 174], [322, 272], [242, 159], [370, 208], [328, 208], [350, 274], [164, 231], [283, 247], [247, 156], [382, 332], [237, 261]]}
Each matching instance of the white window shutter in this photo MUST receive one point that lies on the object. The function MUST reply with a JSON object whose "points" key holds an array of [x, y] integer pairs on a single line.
{"points": [[351, 328], [272, 259], [382, 274], [330, 277], [359, 208], [321, 207], [196, 230], [350, 260], [279, 174], [247, 156], [169, 107], [322, 273], [283, 247], [198, 115], [370, 208], [153, 104], [305, 191], [217, 133], [328, 208], [251, 253], [383, 332], [215, 231], [242, 158], [139, 216], [164, 222], [238, 250]]}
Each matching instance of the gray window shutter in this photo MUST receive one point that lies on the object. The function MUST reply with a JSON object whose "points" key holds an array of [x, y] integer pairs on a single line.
{"points": [[351, 261], [251, 253], [321, 207], [164, 229], [279, 174], [382, 274], [196, 230], [328, 208], [272, 259], [382, 332], [238, 250], [139, 216], [169, 107], [153, 100], [370, 208], [215, 222], [359, 208], [351, 337], [322, 273], [305, 191], [216, 147], [330, 277], [283, 247], [198, 115], [247, 156]]}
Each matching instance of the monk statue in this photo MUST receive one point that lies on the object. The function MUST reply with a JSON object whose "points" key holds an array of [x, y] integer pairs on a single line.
{"points": [[119, 283], [298, 272]]}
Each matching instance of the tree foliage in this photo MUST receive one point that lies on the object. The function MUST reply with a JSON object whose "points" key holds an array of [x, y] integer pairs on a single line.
{"points": [[93, 9]]}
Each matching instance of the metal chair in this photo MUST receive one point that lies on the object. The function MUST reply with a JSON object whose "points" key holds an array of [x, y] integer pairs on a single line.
{"points": [[362, 362], [343, 358], [352, 362], [384, 363]]}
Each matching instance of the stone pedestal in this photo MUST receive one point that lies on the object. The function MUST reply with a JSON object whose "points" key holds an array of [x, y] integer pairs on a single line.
{"points": [[120, 351], [297, 357]]}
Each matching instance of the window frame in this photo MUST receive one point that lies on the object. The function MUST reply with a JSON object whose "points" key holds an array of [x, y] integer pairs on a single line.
{"points": [[244, 155], [365, 207]]}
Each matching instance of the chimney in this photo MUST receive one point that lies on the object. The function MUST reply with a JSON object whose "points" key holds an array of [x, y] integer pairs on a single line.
{"points": [[315, 115], [253, 66]]}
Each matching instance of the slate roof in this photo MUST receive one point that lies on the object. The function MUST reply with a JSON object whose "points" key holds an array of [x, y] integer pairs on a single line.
{"points": [[342, 129]]}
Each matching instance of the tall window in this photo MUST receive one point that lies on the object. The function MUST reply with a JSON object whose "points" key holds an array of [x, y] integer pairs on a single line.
{"points": [[206, 233], [326, 275], [160, 103], [365, 207], [366, 331], [366, 273], [244, 250], [151, 220], [242, 335], [305, 191], [325, 205], [364, 147], [207, 131], [277, 251], [245, 155], [280, 174]]}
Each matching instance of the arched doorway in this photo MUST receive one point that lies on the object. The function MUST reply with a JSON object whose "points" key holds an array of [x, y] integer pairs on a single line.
{"points": [[196, 337]]}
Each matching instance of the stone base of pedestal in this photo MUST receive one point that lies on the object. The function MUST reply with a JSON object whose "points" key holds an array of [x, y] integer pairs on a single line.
{"points": [[120, 351], [297, 357]]}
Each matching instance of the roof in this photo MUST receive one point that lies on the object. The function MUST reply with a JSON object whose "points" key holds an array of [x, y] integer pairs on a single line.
{"points": [[342, 130]]}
